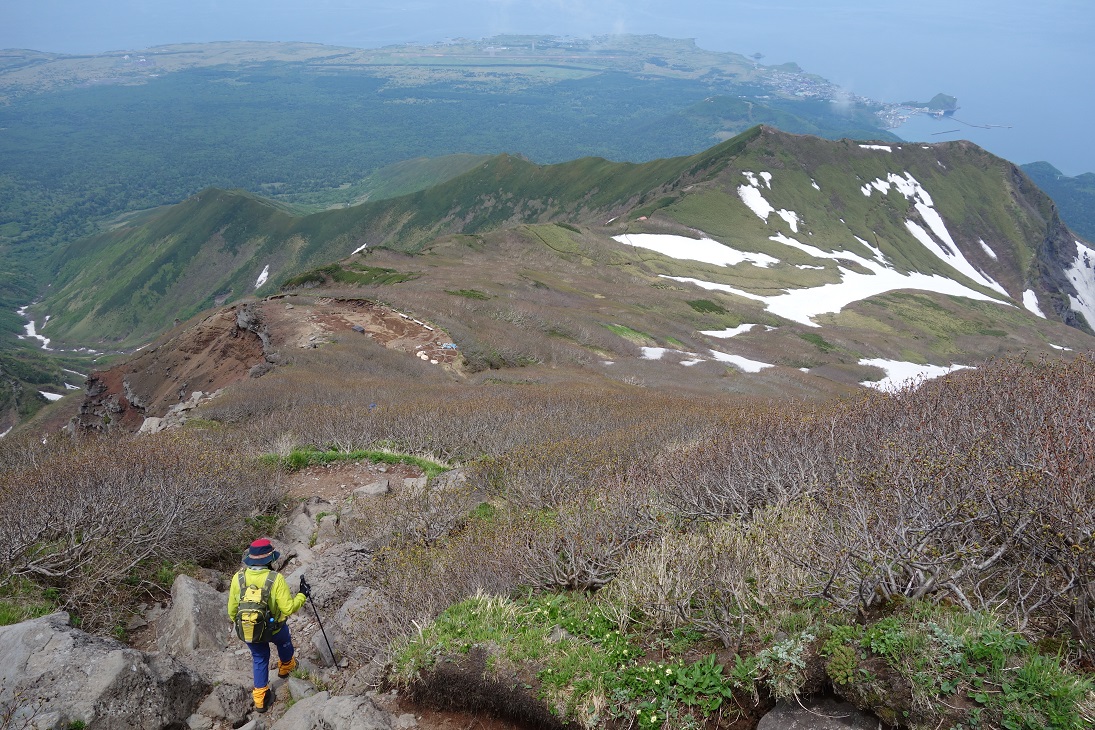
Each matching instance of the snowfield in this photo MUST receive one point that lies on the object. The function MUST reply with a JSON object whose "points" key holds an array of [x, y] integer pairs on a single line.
{"points": [[705, 250], [903, 374]]}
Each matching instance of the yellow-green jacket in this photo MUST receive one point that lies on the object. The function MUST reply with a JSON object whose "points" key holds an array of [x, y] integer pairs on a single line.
{"points": [[282, 603]]}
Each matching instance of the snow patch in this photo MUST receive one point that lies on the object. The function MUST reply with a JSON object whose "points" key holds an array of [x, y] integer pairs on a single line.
{"points": [[70, 386], [51, 396], [263, 276], [986, 249], [814, 185], [752, 197], [741, 363], [706, 250], [364, 246], [32, 333], [653, 353], [1083, 279], [883, 147], [729, 331], [1060, 347], [903, 374], [1030, 301], [802, 305], [2, 435], [944, 248], [791, 217]]}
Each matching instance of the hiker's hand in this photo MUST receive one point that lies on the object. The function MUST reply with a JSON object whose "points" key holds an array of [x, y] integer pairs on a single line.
{"points": [[305, 588]]}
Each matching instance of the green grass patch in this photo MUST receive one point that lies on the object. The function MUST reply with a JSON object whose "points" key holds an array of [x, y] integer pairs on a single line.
{"points": [[706, 306], [818, 341], [22, 600], [469, 293], [300, 458], [629, 334], [569, 650], [358, 274]]}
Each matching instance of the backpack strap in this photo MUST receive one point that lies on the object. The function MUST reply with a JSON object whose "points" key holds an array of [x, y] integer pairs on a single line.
{"points": [[267, 589]]}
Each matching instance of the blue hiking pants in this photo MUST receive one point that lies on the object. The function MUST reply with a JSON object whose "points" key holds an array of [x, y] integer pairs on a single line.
{"points": [[260, 655]]}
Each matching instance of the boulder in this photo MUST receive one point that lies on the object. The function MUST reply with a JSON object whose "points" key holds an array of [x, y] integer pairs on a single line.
{"points": [[414, 487], [332, 574], [822, 713], [300, 688], [152, 424], [229, 702], [321, 650], [327, 531], [316, 507], [299, 528], [373, 489], [341, 712], [197, 620], [92, 680]]}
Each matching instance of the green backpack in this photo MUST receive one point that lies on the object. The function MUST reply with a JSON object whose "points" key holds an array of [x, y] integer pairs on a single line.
{"points": [[254, 621]]}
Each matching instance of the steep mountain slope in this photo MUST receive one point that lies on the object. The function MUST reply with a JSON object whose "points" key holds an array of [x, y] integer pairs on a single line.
{"points": [[1075, 196], [823, 210]]}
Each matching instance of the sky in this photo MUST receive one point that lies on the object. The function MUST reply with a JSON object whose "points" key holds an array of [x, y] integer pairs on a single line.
{"points": [[1026, 66]]}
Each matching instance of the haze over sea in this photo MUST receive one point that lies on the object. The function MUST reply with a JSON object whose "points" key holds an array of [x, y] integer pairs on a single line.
{"points": [[1027, 66]]}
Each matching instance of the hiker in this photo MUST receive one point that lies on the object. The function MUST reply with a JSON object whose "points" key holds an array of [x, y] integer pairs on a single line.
{"points": [[259, 603]]}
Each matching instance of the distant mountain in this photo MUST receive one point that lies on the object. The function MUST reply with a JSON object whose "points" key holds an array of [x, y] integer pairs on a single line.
{"points": [[86, 138], [1074, 196], [853, 252]]}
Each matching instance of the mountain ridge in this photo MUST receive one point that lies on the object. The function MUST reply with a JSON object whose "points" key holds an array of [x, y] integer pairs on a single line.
{"points": [[177, 260]]}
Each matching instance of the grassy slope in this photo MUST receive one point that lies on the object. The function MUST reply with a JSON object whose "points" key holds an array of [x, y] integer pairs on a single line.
{"points": [[132, 281]]}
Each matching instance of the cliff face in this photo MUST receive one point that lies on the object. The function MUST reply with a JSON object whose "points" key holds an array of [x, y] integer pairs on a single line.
{"points": [[195, 362], [221, 349]]}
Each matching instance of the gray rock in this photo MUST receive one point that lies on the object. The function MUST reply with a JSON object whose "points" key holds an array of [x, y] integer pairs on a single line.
{"points": [[299, 528], [300, 688], [230, 702], [316, 506], [334, 713], [405, 721], [255, 724], [197, 620], [327, 531], [373, 489], [199, 722], [152, 425], [333, 574], [99, 682], [817, 714], [413, 487], [322, 652]]}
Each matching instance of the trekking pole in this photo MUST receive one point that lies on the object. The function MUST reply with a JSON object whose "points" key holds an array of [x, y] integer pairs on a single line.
{"points": [[307, 591]]}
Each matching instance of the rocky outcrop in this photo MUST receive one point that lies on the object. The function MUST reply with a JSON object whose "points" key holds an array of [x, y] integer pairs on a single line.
{"points": [[57, 676], [345, 712], [160, 381], [197, 620]]}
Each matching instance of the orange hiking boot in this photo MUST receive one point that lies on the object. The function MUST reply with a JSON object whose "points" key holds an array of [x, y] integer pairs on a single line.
{"points": [[261, 697], [284, 668]]}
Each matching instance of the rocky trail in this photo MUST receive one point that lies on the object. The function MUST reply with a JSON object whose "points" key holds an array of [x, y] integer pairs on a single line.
{"points": [[183, 667]]}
